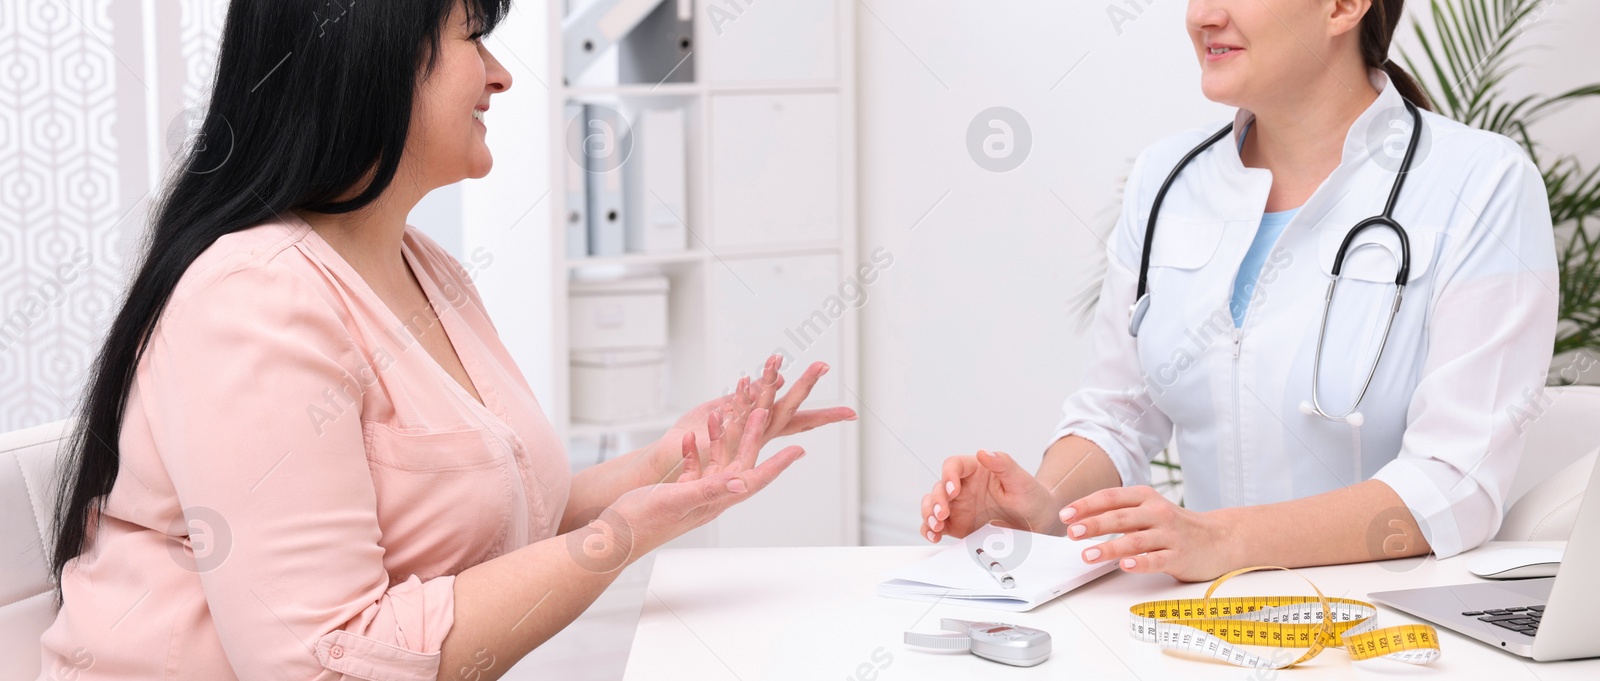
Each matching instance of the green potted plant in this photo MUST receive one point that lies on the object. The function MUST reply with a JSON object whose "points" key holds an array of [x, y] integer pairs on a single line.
{"points": [[1466, 62]]}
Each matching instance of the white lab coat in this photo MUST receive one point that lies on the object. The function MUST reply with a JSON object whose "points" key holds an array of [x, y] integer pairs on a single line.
{"points": [[1455, 390]]}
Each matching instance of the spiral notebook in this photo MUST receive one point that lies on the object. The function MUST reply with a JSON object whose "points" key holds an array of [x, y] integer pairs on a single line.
{"points": [[1042, 567]]}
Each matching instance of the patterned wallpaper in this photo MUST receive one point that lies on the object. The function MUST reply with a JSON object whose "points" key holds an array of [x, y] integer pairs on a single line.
{"points": [[93, 96]]}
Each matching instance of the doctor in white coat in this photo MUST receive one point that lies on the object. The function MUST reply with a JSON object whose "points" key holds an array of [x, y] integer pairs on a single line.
{"points": [[1239, 267]]}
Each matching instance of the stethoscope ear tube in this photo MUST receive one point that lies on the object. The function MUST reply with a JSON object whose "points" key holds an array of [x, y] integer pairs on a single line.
{"points": [[1352, 416], [1404, 274], [1155, 211]]}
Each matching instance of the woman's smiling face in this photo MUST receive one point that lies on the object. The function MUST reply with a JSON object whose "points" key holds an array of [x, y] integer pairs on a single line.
{"points": [[1250, 50], [446, 143]]}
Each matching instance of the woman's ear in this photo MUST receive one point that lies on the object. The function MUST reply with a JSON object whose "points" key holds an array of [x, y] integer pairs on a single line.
{"points": [[1345, 15]]}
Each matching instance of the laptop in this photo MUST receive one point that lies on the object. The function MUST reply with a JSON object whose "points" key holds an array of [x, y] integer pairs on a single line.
{"points": [[1543, 619]]}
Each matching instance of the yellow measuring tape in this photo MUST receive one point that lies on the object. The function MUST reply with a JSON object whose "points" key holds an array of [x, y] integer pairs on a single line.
{"points": [[1218, 626]]}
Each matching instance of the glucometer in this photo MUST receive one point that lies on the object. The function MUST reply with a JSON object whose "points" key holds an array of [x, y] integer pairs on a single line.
{"points": [[998, 641]]}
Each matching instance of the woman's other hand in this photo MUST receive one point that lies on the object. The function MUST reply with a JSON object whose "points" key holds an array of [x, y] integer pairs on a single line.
{"points": [[1157, 535], [728, 414], [988, 487], [645, 518]]}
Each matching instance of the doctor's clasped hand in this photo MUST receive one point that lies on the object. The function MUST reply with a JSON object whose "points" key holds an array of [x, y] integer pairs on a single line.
{"points": [[987, 488], [1158, 535]]}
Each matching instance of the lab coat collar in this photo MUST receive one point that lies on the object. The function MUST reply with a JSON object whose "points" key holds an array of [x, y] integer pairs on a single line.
{"points": [[1389, 105]]}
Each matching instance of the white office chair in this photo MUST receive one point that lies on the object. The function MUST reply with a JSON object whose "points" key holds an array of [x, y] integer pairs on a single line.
{"points": [[27, 499], [1562, 444]]}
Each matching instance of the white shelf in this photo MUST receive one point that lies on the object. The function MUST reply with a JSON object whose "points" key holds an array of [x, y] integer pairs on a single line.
{"points": [[733, 253], [771, 177], [659, 422], [638, 259], [635, 90], [699, 255], [695, 89], [790, 86]]}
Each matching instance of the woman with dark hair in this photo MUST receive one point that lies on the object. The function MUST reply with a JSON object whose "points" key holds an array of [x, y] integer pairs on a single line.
{"points": [[304, 451], [1315, 428]]}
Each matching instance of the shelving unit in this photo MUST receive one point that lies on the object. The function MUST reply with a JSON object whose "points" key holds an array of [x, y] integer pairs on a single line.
{"points": [[770, 137], [640, 259]]}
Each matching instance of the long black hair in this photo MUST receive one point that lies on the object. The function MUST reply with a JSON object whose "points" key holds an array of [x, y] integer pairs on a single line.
{"points": [[311, 102]]}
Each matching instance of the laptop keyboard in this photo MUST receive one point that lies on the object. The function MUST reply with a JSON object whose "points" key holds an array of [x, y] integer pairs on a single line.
{"points": [[1521, 620]]}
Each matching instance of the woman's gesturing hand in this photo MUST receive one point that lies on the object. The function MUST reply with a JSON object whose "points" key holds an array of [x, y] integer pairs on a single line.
{"points": [[1157, 535], [987, 488], [731, 413], [645, 518]]}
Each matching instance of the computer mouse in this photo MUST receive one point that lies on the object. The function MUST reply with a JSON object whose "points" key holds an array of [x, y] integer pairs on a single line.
{"points": [[1516, 562]]}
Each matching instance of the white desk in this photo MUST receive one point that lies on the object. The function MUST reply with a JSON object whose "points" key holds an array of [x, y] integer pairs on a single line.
{"points": [[812, 614]]}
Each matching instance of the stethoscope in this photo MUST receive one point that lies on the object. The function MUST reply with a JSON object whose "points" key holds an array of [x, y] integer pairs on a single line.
{"points": [[1141, 305]]}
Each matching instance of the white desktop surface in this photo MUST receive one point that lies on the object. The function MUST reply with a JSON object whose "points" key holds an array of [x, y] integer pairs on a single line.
{"points": [[813, 614]]}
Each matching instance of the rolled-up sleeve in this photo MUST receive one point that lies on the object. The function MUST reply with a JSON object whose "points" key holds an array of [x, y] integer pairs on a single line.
{"points": [[1112, 406], [1491, 333], [239, 377]]}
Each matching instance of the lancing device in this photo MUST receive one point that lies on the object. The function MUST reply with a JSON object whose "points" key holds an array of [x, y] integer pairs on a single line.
{"points": [[998, 641], [994, 568]]}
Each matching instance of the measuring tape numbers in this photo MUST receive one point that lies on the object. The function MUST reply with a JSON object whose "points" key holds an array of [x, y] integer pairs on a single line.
{"points": [[1217, 627]]}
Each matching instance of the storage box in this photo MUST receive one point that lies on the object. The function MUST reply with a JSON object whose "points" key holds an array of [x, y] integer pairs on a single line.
{"points": [[618, 385], [621, 313]]}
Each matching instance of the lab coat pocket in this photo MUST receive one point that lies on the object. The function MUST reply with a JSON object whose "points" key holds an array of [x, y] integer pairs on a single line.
{"points": [[1185, 244], [1374, 255], [1184, 293]]}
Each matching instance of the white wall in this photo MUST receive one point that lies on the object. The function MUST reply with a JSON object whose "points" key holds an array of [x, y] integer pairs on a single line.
{"points": [[505, 218], [967, 343], [1563, 55], [439, 215]]}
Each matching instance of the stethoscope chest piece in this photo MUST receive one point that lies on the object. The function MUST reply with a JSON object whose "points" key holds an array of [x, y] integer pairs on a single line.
{"points": [[1136, 313]]}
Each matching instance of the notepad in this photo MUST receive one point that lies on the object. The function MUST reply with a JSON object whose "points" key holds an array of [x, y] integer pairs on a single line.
{"points": [[1042, 566]]}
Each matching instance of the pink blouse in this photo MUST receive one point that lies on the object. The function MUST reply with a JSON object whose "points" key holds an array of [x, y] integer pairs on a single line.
{"points": [[244, 538]]}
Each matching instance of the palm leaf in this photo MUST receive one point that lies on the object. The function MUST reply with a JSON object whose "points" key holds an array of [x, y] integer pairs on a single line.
{"points": [[1466, 60]]}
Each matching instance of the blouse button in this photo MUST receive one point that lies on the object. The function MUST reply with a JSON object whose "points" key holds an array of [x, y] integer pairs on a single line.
{"points": [[337, 651]]}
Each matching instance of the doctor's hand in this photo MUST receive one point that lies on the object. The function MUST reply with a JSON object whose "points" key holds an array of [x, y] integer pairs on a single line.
{"points": [[643, 519], [1157, 535], [731, 412], [987, 488]]}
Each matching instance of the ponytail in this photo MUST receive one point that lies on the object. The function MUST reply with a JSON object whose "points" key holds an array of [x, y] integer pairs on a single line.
{"points": [[1377, 30]]}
